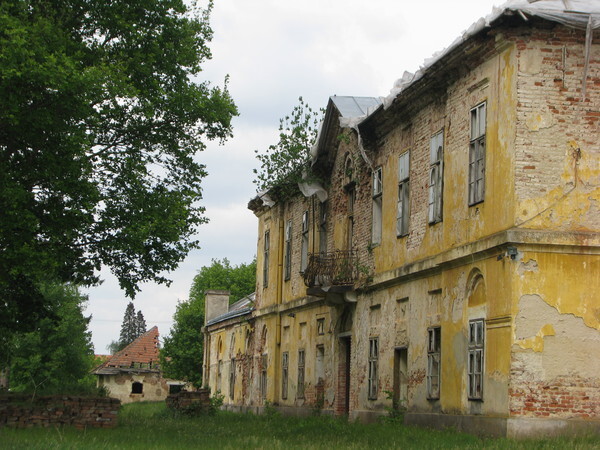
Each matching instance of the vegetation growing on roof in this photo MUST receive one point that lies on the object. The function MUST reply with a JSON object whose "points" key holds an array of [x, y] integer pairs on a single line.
{"points": [[288, 162]]}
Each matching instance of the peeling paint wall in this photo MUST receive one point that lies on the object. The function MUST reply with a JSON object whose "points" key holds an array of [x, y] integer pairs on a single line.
{"points": [[155, 387]]}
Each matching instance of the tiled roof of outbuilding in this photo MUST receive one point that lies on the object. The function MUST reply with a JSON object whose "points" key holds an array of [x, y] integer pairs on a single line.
{"points": [[143, 350]]}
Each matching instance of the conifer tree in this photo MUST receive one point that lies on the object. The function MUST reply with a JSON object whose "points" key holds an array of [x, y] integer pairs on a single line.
{"points": [[128, 327], [140, 323]]}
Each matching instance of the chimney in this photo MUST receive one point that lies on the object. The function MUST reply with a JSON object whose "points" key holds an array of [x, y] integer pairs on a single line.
{"points": [[216, 303]]}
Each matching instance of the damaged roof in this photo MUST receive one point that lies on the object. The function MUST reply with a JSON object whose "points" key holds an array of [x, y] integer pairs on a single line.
{"points": [[143, 350]]}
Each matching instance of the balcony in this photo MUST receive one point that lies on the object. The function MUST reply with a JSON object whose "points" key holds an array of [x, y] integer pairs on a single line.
{"points": [[337, 269]]}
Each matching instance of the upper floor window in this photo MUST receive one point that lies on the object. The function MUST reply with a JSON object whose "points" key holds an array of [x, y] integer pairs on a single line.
{"points": [[436, 177], [477, 155], [288, 250], [266, 245], [323, 227], [304, 250], [403, 194], [377, 205]]}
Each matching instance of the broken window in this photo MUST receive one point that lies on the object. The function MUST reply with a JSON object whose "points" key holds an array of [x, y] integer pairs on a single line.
{"points": [[403, 194], [351, 198], [285, 362], [377, 205], [137, 387], [266, 245], [263, 376], [373, 367], [323, 227], [436, 177], [288, 251], [477, 155], [219, 375], [475, 363], [300, 393], [320, 365], [232, 379], [434, 347], [304, 253], [321, 326]]}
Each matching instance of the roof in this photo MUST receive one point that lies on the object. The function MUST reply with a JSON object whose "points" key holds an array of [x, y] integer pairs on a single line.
{"points": [[575, 13], [240, 308], [142, 351]]}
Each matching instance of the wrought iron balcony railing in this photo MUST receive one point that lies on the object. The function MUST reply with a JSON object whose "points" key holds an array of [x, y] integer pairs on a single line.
{"points": [[338, 268]]}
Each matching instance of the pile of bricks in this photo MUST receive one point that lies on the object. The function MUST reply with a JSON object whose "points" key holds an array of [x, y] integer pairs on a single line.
{"points": [[80, 412], [185, 399]]}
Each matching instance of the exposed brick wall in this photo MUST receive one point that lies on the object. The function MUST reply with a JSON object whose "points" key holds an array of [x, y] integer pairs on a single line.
{"points": [[561, 397], [80, 412], [185, 399]]}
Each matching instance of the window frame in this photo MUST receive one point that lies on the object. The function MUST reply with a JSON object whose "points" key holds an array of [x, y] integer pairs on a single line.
{"points": [[288, 251], [403, 205], [323, 226], [434, 362], [232, 368], [436, 177], [266, 252], [301, 373], [304, 249], [477, 153], [373, 384], [377, 197], [263, 375], [476, 359], [285, 364]]}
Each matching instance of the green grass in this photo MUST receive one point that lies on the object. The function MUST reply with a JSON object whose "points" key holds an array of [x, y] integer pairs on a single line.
{"points": [[151, 426]]}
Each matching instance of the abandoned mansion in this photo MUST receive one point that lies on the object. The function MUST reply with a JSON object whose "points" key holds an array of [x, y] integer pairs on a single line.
{"points": [[447, 263]]}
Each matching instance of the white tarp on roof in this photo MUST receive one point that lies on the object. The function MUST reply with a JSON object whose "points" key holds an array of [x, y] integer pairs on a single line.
{"points": [[575, 13]]}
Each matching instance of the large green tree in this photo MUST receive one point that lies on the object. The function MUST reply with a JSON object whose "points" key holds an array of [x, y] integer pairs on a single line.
{"points": [[58, 355], [101, 117], [181, 354]]}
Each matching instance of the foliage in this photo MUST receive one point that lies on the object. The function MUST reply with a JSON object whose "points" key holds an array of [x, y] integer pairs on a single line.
{"points": [[149, 425], [238, 280], [133, 326], [58, 355], [285, 164], [182, 352], [216, 401], [100, 121], [140, 323]]}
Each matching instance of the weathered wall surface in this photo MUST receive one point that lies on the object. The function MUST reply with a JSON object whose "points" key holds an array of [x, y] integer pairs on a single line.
{"points": [[155, 387]]}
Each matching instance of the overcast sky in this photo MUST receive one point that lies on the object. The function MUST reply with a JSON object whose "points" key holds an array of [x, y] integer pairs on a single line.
{"points": [[275, 51]]}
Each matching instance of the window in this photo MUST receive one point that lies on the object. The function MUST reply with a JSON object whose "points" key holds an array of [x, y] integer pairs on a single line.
{"points": [[320, 366], [323, 228], [321, 326], [263, 376], [434, 348], [219, 374], [403, 194], [137, 387], [300, 393], [351, 198], [285, 362], [377, 205], [477, 155], [304, 254], [288, 250], [232, 379], [475, 363], [373, 362], [266, 260], [436, 177]]}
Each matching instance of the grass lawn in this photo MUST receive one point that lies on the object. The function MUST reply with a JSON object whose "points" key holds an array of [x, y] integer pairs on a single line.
{"points": [[150, 426]]}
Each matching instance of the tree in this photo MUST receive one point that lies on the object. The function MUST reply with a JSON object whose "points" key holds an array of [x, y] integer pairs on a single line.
{"points": [[58, 355], [288, 162], [99, 125], [140, 323], [182, 351], [129, 327]]}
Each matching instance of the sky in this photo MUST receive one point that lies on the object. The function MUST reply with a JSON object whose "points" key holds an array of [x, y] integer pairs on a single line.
{"points": [[275, 51]]}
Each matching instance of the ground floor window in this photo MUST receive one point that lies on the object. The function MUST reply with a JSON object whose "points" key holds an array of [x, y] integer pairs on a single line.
{"points": [[475, 363], [373, 367], [434, 349], [137, 387], [284, 374], [300, 393]]}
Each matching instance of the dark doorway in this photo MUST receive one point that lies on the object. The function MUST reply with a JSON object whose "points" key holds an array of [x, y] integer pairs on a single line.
{"points": [[400, 378], [343, 390], [137, 387]]}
